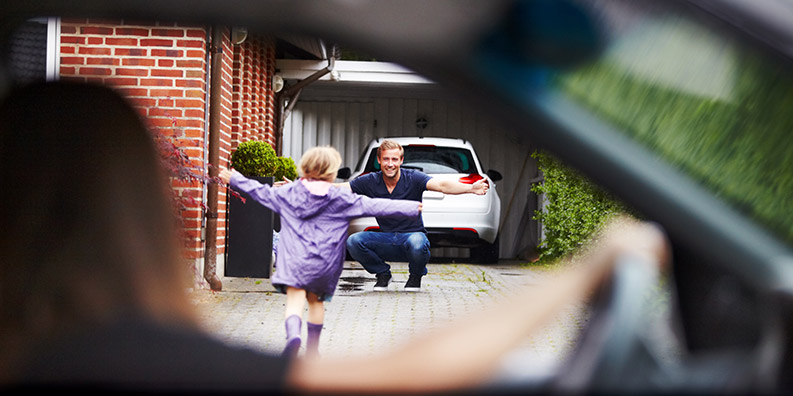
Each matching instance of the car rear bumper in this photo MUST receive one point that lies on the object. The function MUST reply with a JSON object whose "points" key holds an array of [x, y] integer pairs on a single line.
{"points": [[441, 235], [455, 237]]}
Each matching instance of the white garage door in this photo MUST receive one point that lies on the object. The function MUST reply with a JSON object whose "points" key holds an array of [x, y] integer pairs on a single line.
{"points": [[348, 121]]}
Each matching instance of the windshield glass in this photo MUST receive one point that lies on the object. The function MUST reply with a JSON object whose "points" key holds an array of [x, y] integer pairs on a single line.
{"points": [[431, 159], [713, 107]]}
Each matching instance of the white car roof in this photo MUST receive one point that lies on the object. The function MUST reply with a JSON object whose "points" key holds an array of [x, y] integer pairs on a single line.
{"points": [[438, 141]]}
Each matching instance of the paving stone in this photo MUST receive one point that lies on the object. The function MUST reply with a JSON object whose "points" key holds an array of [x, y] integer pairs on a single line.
{"points": [[359, 321]]}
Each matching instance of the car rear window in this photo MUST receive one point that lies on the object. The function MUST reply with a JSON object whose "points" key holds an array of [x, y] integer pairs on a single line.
{"points": [[714, 107], [431, 159]]}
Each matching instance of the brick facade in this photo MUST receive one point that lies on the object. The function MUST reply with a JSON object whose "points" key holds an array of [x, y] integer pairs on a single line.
{"points": [[254, 100], [163, 69]]}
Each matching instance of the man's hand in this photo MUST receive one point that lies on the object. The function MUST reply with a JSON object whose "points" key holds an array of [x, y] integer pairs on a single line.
{"points": [[455, 187], [480, 187]]}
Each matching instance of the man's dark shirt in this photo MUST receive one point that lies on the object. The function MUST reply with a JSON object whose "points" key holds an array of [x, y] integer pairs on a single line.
{"points": [[411, 186]]}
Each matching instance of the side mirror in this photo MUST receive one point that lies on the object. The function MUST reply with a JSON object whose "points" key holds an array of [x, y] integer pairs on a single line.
{"points": [[494, 175], [344, 173]]}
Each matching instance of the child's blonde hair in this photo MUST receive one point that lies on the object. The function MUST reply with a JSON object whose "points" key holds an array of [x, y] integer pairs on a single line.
{"points": [[320, 163]]}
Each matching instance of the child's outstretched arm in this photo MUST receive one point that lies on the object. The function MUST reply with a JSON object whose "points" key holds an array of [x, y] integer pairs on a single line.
{"points": [[261, 193], [225, 175], [365, 206]]}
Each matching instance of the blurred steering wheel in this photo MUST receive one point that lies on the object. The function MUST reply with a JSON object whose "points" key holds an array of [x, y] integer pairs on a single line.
{"points": [[621, 350], [613, 348]]}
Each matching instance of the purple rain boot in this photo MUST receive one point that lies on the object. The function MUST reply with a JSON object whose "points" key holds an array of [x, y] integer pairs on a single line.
{"points": [[293, 324], [312, 341]]}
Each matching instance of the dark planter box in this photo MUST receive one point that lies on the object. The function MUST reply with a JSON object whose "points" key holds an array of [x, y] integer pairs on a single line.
{"points": [[249, 236]]}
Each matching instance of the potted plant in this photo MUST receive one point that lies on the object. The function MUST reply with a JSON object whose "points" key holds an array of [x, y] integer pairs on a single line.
{"points": [[249, 225]]}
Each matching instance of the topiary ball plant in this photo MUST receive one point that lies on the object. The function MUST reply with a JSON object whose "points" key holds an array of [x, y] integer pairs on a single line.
{"points": [[285, 168], [255, 158]]}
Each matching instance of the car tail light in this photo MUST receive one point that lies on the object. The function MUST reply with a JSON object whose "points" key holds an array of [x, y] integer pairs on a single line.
{"points": [[465, 229], [372, 228], [471, 179]]}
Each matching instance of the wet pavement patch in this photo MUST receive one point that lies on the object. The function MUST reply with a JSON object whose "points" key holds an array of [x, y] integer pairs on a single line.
{"points": [[353, 283], [349, 287], [356, 279]]}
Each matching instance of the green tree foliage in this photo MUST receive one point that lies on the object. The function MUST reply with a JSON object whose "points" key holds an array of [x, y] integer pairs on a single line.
{"points": [[575, 208]]}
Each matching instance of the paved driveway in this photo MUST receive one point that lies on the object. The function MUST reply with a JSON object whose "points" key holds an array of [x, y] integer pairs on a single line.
{"points": [[360, 321]]}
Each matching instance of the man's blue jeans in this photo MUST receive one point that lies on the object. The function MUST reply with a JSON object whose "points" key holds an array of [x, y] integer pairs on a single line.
{"points": [[373, 249]]}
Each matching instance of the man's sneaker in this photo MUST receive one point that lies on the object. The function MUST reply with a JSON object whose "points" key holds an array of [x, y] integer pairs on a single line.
{"points": [[383, 279], [413, 284]]}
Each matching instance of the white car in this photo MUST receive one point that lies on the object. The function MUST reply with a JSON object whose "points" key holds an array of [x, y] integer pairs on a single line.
{"points": [[465, 220]]}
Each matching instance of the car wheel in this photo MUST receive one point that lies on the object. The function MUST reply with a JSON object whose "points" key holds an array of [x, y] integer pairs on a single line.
{"points": [[486, 254]]}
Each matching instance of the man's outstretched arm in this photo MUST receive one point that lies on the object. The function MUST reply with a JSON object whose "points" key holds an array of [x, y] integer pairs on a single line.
{"points": [[454, 187]]}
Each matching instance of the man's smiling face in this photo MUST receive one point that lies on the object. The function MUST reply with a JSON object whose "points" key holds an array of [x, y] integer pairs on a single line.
{"points": [[390, 161]]}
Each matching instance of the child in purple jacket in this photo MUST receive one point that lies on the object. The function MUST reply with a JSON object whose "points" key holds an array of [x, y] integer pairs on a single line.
{"points": [[311, 249]]}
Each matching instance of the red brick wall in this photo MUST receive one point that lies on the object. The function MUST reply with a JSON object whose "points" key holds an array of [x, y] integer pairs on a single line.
{"points": [[254, 99], [225, 135], [248, 68], [162, 68]]}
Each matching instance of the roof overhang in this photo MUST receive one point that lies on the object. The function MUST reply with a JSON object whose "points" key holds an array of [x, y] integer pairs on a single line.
{"points": [[312, 46], [364, 72]]}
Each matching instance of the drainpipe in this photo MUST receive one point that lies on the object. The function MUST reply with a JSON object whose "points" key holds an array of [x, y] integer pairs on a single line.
{"points": [[213, 147], [290, 95]]}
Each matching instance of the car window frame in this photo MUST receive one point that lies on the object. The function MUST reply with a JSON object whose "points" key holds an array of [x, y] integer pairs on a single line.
{"points": [[693, 217]]}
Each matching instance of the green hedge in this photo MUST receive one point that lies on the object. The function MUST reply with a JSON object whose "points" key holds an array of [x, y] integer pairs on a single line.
{"points": [[574, 210]]}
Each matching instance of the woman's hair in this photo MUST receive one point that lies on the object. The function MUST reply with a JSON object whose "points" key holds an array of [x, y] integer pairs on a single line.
{"points": [[388, 144], [320, 163], [89, 230]]}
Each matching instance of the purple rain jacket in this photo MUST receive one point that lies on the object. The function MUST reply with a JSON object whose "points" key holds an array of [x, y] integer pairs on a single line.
{"points": [[311, 245]]}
